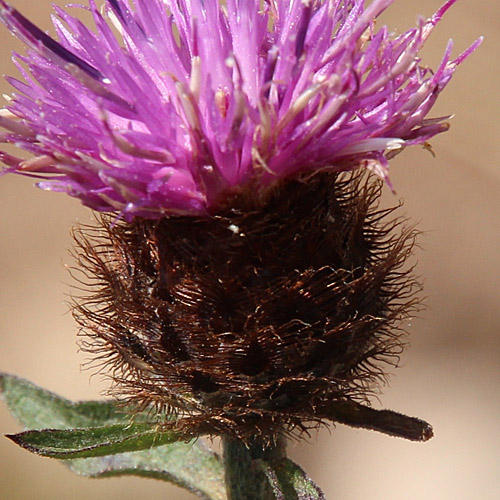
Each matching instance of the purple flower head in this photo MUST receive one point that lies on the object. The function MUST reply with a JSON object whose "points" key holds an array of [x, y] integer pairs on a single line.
{"points": [[195, 99]]}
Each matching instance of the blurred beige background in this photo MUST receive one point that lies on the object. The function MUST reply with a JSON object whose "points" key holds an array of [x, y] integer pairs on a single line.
{"points": [[451, 374]]}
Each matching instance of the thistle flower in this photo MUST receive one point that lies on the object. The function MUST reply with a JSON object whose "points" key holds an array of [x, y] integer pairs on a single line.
{"points": [[250, 287], [200, 99]]}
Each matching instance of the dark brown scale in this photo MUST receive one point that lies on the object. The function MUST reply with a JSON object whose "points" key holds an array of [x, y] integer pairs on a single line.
{"points": [[131, 343], [172, 343], [260, 315], [200, 382], [253, 360]]}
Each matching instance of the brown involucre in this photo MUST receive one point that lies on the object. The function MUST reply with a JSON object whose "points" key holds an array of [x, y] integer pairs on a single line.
{"points": [[273, 314]]}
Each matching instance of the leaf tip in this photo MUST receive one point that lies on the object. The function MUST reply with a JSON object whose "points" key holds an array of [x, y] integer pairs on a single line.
{"points": [[18, 439]]}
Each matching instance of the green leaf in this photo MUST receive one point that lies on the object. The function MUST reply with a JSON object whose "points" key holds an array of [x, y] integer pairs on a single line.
{"points": [[93, 441], [290, 482], [91, 428], [38, 408], [189, 465]]}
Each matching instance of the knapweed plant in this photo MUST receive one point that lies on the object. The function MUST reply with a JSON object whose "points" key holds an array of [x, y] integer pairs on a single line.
{"points": [[241, 279]]}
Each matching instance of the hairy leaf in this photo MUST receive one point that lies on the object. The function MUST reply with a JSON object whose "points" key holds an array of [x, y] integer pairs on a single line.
{"points": [[37, 408], [189, 465], [290, 482], [92, 441], [95, 428]]}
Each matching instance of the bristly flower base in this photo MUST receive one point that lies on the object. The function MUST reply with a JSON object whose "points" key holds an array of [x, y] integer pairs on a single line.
{"points": [[276, 312]]}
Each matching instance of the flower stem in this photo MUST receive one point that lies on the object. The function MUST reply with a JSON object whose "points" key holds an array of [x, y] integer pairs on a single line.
{"points": [[245, 467]]}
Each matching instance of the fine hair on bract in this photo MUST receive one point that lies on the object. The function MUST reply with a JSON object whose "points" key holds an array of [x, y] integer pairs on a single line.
{"points": [[262, 317]]}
